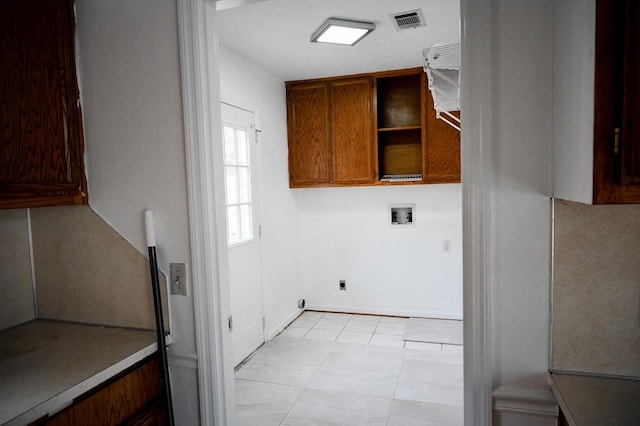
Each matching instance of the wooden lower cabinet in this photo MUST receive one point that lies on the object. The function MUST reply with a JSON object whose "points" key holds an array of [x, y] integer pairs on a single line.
{"points": [[134, 397]]}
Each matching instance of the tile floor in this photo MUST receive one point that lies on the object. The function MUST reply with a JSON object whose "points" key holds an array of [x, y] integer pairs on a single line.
{"points": [[343, 369]]}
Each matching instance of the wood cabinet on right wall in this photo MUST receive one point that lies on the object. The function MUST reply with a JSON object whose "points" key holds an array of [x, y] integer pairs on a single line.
{"points": [[596, 101], [368, 129]]}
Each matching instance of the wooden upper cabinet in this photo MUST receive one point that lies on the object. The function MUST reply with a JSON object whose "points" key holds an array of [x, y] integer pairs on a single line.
{"points": [[368, 129], [308, 134], [41, 142], [617, 103], [352, 130]]}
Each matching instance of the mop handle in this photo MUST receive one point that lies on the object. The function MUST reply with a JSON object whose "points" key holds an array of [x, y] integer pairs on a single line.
{"points": [[157, 304]]}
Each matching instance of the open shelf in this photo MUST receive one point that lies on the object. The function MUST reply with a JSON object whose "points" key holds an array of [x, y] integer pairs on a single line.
{"points": [[400, 129], [400, 152], [399, 101]]}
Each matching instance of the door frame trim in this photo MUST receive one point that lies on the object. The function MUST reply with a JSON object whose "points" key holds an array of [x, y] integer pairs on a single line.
{"points": [[201, 94], [208, 242], [477, 101]]}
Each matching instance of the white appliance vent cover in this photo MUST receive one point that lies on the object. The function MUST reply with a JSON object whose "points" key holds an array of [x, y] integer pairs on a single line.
{"points": [[409, 19], [442, 65]]}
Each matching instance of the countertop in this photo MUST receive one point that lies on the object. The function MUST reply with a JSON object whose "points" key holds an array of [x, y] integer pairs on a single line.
{"points": [[597, 401], [44, 365]]}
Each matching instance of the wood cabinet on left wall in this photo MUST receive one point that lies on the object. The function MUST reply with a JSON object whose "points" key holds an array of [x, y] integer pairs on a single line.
{"points": [[41, 138]]}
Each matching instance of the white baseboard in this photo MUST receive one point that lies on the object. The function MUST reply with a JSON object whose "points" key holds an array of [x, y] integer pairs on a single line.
{"points": [[384, 311], [525, 401]]}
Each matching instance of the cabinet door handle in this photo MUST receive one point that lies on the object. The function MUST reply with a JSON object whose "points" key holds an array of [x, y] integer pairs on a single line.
{"points": [[616, 141]]}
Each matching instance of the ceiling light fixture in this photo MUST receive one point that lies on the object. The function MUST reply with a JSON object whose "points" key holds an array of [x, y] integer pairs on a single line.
{"points": [[342, 31]]}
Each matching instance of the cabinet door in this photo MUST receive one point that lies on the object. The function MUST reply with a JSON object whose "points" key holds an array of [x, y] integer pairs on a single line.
{"points": [[352, 130], [41, 146], [133, 397], [441, 148], [617, 103], [308, 134], [630, 149]]}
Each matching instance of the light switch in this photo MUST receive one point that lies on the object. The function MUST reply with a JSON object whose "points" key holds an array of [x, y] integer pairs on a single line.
{"points": [[178, 273]]}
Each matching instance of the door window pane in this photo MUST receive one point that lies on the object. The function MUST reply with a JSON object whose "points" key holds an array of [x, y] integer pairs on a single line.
{"points": [[237, 176], [229, 145], [245, 222], [231, 178], [244, 184], [243, 148]]}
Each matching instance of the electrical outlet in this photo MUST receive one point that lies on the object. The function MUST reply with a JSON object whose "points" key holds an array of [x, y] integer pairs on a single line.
{"points": [[446, 246], [342, 285], [178, 273]]}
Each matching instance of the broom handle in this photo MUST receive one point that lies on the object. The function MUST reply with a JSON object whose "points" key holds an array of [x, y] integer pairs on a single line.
{"points": [[157, 304]]}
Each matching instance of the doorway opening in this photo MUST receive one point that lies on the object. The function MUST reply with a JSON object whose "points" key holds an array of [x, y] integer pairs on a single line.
{"points": [[348, 257], [200, 78]]}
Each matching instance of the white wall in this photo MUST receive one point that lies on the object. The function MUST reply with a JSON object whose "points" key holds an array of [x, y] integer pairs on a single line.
{"points": [[520, 206], [247, 86], [130, 87], [573, 100], [345, 234]]}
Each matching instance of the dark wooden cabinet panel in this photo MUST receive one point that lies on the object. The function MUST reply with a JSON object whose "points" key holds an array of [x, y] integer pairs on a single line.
{"points": [[441, 150], [617, 103], [352, 130], [630, 149], [134, 397], [308, 134], [41, 141]]}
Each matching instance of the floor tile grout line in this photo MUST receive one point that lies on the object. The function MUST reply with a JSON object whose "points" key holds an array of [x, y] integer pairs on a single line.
{"points": [[327, 354], [306, 386]]}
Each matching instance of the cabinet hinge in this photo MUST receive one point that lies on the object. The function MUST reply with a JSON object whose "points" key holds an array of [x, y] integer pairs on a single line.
{"points": [[259, 231], [616, 141], [230, 321], [264, 323]]}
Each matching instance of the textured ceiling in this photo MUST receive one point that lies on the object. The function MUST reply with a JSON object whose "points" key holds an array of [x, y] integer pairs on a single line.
{"points": [[275, 34]]}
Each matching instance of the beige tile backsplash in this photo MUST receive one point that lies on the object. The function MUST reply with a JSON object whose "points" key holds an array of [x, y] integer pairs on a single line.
{"points": [[596, 289], [16, 290], [86, 272]]}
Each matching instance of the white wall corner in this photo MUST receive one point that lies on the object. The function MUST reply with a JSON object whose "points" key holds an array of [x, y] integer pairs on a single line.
{"points": [[525, 401], [278, 328]]}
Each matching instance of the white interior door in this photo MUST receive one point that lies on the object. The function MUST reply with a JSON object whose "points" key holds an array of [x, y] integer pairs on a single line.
{"points": [[243, 239]]}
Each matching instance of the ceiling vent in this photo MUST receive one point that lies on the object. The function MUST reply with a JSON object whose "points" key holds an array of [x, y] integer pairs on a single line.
{"points": [[410, 19]]}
